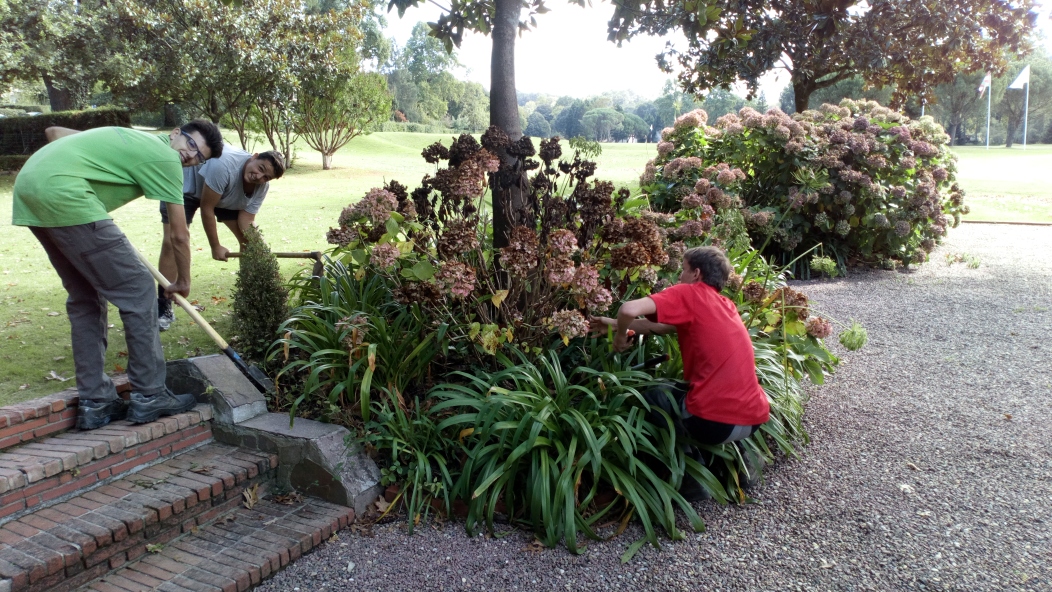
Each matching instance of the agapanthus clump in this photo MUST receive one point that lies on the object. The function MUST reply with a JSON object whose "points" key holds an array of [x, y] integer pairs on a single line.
{"points": [[385, 255], [456, 278], [357, 327]]}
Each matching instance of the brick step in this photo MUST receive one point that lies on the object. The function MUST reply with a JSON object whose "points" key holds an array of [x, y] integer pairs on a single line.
{"points": [[39, 418], [235, 552], [44, 470], [74, 542]]}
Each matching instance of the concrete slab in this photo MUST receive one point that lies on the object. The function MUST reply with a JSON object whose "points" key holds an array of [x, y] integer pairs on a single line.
{"points": [[234, 398], [314, 458]]}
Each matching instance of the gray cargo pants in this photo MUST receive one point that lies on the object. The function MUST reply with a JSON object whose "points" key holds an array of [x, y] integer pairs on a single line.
{"points": [[97, 264]]}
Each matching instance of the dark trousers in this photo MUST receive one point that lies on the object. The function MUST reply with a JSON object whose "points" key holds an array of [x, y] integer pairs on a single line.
{"points": [[671, 398], [97, 264]]}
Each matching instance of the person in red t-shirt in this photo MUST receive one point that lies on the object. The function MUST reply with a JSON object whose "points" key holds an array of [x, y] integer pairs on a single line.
{"points": [[722, 400]]}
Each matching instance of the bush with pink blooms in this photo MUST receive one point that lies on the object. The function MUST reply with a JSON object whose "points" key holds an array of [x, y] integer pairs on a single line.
{"points": [[866, 183]]}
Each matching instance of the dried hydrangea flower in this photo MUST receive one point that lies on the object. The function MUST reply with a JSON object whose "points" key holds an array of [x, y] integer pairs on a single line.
{"points": [[569, 324], [456, 278], [819, 328], [521, 255], [384, 255]]}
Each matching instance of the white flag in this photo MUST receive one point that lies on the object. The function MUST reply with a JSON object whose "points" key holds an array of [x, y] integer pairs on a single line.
{"points": [[1023, 78], [985, 84]]}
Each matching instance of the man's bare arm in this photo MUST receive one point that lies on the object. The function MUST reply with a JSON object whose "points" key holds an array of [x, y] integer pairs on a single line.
{"points": [[209, 201], [55, 132], [180, 237]]}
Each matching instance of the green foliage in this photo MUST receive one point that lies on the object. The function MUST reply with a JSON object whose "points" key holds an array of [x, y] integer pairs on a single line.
{"points": [[260, 298], [821, 43], [12, 162], [25, 135], [855, 337], [825, 265], [336, 107], [415, 454], [859, 179], [560, 453], [345, 335]]}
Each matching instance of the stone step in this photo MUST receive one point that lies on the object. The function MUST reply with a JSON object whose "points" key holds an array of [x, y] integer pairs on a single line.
{"points": [[234, 553], [46, 469], [76, 541]]}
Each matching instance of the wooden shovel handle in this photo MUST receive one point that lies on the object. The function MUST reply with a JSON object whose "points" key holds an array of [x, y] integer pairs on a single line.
{"points": [[189, 308]]}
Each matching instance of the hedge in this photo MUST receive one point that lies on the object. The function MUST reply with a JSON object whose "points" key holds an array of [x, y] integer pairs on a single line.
{"points": [[12, 162], [25, 135]]}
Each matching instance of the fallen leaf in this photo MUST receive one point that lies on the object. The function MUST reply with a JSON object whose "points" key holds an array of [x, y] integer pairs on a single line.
{"points": [[195, 529], [58, 358], [53, 314], [904, 488], [118, 368], [466, 432], [1008, 417], [52, 375], [122, 354], [289, 499], [535, 546], [228, 518], [335, 537], [23, 387], [202, 470], [184, 340], [155, 548], [218, 299], [912, 466], [382, 505], [251, 496]]}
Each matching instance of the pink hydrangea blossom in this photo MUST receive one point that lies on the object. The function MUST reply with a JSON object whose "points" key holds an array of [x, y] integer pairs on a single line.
{"points": [[384, 255]]}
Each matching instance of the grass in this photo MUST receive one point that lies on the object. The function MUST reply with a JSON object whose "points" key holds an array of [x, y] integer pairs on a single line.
{"points": [[1006, 184], [1001, 184]]}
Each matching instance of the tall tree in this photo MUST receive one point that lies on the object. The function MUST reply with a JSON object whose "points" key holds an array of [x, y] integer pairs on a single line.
{"points": [[335, 108], [502, 20], [911, 45], [1011, 106], [957, 101]]}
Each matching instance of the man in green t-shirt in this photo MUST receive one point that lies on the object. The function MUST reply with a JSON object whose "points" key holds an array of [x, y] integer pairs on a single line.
{"points": [[64, 194]]}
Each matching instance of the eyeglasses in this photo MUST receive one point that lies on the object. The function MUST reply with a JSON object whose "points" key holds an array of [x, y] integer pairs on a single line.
{"points": [[193, 146]]}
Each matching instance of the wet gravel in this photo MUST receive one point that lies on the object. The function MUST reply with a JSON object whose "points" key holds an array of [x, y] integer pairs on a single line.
{"points": [[930, 466]]}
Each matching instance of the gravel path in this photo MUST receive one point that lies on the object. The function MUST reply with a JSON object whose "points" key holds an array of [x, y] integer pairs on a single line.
{"points": [[929, 469]]}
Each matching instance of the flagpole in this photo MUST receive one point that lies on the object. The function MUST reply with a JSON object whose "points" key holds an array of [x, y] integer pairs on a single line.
{"points": [[988, 118], [1026, 112]]}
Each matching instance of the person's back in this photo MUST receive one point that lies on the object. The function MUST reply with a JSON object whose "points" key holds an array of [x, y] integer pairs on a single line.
{"points": [[80, 178], [718, 359]]}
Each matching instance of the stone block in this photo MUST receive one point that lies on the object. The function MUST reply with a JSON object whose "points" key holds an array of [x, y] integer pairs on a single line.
{"points": [[234, 398], [314, 458]]}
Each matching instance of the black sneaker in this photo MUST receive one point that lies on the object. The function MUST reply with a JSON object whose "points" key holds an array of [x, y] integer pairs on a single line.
{"points": [[143, 409], [692, 491], [754, 464], [165, 315], [95, 414]]}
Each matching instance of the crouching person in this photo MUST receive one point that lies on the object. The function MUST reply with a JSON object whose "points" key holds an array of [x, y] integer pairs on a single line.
{"points": [[721, 400]]}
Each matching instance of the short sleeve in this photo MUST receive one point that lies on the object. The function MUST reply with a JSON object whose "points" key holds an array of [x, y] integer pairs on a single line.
{"points": [[256, 201], [215, 176], [160, 180], [672, 308]]}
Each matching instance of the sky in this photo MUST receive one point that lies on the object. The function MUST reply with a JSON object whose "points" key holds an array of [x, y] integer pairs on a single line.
{"points": [[568, 54]]}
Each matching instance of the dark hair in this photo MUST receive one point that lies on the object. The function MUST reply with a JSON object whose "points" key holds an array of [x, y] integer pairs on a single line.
{"points": [[210, 132], [714, 266], [276, 160]]}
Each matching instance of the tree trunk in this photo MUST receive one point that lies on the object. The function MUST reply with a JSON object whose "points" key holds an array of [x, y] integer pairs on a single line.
{"points": [[508, 197], [326, 161], [952, 130], [172, 116], [61, 98], [802, 94], [1012, 126]]}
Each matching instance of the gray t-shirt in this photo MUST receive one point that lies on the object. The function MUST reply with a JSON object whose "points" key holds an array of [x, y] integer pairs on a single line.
{"points": [[192, 184], [225, 175]]}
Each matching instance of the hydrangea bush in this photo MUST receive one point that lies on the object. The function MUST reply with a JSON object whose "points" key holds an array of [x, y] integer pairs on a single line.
{"points": [[857, 178]]}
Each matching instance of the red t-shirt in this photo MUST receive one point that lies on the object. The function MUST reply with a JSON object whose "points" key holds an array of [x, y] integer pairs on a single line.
{"points": [[718, 359]]}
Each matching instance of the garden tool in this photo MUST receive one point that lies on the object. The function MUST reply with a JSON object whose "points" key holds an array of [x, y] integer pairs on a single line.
{"points": [[256, 376], [316, 255]]}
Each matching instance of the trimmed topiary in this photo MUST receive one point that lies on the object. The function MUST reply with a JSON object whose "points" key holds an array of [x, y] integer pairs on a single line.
{"points": [[260, 298]]}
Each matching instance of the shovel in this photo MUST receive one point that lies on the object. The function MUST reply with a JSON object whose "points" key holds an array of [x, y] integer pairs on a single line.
{"points": [[256, 376]]}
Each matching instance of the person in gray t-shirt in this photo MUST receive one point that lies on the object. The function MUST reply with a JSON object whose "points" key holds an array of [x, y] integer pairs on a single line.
{"points": [[229, 189]]}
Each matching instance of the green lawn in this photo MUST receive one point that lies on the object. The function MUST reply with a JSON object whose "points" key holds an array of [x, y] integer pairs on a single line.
{"points": [[1001, 184], [1006, 184]]}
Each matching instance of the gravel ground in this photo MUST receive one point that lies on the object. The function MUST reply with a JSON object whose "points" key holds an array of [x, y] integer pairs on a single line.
{"points": [[929, 468]]}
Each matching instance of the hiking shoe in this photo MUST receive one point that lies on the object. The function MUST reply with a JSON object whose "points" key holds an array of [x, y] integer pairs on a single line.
{"points": [[165, 315], [692, 491], [754, 464], [95, 414], [144, 409]]}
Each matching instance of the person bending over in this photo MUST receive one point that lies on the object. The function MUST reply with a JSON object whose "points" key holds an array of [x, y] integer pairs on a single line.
{"points": [[721, 400], [230, 189], [64, 194]]}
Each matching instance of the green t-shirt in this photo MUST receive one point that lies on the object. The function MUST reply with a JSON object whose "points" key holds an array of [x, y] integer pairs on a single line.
{"points": [[80, 178]]}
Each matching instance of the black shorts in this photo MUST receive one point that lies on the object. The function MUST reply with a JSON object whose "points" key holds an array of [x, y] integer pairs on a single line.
{"points": [[191, 204]]}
